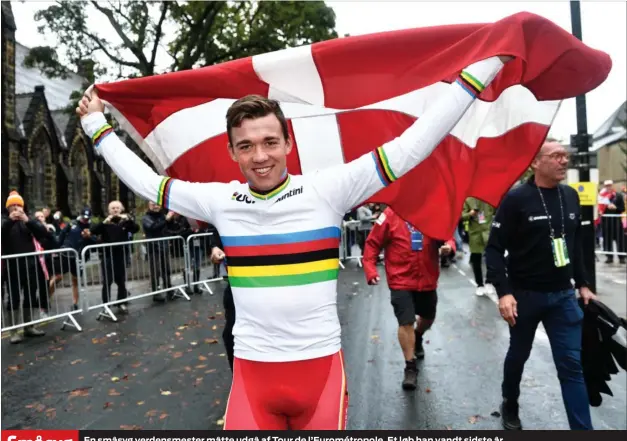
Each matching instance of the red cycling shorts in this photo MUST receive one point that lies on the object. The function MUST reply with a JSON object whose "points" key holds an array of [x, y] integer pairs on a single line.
{"points": [[293, 395]]}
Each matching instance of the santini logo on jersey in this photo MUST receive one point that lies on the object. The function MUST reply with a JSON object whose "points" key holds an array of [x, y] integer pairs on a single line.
{"points": [[242, 198], [289, 194]]}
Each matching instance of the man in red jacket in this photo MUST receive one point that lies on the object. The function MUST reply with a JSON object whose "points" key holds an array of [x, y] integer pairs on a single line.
{"points": [[412, 266]]}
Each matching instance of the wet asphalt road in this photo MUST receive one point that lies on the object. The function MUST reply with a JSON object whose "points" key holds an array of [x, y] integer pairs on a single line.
{"points": [[164, 367]]}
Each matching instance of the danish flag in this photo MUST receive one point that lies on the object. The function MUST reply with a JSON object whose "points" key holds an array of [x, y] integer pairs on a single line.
{"points": [[345, 97]]}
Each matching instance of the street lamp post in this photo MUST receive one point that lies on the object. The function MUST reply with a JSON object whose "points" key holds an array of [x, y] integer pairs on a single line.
{"points": [[584, 161]]}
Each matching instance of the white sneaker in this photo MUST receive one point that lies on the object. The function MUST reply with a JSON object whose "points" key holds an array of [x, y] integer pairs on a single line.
{"points": [[489, 289], [481, 291], [43, 314]]}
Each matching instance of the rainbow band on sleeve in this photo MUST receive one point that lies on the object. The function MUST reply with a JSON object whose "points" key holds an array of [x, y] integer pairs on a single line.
{"points": [[470, 84], [101, 134], [382, 164], [163, 197]]}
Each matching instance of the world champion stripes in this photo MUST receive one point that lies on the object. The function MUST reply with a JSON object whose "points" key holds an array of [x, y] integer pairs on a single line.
{"points": [[101, 134], [282, 186], [163, 196], [279, 260], [470, 84], [383, 168]]}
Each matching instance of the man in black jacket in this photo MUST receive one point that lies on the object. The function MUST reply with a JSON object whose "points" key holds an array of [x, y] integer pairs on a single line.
{"points": [[155, 224], [22, 235], [538, 223], [115, 228]]}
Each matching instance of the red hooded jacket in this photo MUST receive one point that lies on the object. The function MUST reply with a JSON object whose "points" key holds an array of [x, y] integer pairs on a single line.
{"points": [[405, 269]]}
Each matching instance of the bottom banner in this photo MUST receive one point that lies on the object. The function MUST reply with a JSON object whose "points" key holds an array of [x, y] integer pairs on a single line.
{"points": [[357, 435]]}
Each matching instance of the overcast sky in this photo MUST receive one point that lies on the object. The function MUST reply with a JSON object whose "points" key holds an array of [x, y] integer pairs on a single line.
{"points": [[604, 27]]}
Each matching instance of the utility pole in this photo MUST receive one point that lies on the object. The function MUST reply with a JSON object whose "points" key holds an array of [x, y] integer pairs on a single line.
{"points": [[583, 161]]}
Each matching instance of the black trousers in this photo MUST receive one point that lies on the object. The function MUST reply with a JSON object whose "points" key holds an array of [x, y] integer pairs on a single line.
{"points": [[27, 278], [475, 262], [113, 269], [159, 262], [229, 314], [612, 230]]}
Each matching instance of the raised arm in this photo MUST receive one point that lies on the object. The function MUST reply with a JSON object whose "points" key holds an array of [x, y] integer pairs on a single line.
{"points": [[194, 200], [348, 185]]}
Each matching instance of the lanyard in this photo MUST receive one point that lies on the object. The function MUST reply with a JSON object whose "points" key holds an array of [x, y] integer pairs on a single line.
{"points": [[548, 216]]}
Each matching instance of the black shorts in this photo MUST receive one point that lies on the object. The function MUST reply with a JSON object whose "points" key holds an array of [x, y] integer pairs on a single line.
{"points": [[66, 264], [408, 304]]}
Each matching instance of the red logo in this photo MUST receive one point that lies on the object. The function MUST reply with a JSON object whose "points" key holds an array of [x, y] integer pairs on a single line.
{"points": [[40, 435]]}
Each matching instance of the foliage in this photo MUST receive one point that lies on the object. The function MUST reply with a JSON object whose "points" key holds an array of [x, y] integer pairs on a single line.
{"points": [[132, 39]]}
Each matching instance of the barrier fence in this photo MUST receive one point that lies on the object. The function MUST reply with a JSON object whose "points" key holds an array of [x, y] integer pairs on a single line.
{"points": [[157, 261], [34, 293], [612, 235], [199, 263], [164, 269]]}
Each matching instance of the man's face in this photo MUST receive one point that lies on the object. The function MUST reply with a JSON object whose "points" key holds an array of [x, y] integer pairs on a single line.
{"points": [[14, 207], [115, 208], [552, 162], [153, 207], [261, 150], [41, 217], [46, 212]]}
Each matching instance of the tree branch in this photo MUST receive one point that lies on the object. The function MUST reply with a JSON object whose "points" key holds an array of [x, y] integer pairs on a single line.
{"points": [[164, 10], [109, 54], [127, 42]]}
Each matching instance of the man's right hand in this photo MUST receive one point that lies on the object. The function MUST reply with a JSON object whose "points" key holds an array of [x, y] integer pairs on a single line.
{"points": [[374, 281], [217, 255], [508, 308], [89, 104]]}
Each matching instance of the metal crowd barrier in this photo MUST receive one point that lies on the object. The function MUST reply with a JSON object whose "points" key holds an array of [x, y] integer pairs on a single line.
{"points": [[199, 261], [612, 232], [353, 240], [158, 266], [41, 287]]}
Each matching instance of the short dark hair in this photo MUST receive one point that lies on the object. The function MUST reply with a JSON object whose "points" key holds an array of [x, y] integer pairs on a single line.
{"points": [[253, 107]]}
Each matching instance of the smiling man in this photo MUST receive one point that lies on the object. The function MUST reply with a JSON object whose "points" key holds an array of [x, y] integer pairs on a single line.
{"points": [[281, 236]]}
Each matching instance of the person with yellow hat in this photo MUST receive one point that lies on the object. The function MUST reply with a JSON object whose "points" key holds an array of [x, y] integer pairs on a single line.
{"points": [[23, 235]]}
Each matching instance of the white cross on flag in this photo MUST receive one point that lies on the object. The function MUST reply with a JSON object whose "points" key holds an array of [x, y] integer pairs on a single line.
{"points": [[347, 96]]}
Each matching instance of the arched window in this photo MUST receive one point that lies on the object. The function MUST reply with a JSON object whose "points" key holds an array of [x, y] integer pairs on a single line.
{"points": [[41, 190], [80, 170]]}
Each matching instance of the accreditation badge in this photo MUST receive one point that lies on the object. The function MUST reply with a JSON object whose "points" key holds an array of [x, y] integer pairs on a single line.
{"points": [[560, 252]]}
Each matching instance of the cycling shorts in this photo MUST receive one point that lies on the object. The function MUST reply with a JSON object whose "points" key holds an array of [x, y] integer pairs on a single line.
{"points": [[293, 395]]}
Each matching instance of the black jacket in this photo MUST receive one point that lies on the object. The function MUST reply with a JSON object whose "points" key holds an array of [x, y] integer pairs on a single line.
{"points": [[601, 349], [116, 231], [17, 237]]}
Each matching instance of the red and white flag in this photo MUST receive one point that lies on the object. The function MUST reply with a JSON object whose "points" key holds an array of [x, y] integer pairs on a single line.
{"points": [[347, 96]]}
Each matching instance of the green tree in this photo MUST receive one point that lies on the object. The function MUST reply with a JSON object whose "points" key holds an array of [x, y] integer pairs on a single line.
{"points": [[129, 39]]}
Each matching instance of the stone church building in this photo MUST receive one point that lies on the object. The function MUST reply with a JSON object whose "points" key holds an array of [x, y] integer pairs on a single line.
{"points": [[46, 156]]}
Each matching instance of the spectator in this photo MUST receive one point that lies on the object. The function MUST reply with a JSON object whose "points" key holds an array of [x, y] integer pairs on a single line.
{"points": [[155, 224], [114, 229], [611, 222], [479, 216], [77, 235], [22, 235]]}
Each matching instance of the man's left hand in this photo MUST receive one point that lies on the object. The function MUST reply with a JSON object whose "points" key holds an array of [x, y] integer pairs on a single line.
{"points": [[445, 250], [586, 294]]}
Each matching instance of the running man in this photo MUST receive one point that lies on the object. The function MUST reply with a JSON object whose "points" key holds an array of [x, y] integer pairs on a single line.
{"points": [[281, 234], [412, 268]]}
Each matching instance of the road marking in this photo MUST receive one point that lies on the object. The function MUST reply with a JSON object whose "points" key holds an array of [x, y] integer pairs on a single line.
{"points": [[620, 282], [460, 271]]}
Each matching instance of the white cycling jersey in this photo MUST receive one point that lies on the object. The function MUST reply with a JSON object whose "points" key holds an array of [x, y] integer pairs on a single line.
{"points": [[282, 247]]}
